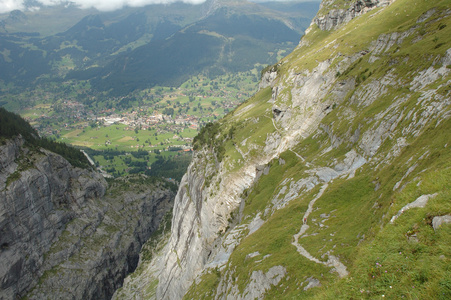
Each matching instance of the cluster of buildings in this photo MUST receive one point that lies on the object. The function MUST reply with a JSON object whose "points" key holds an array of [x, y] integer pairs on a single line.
{"points": [[134, 120]]}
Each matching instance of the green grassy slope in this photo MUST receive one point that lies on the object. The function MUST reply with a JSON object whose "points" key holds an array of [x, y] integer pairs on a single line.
{"points": [[351, 218]]}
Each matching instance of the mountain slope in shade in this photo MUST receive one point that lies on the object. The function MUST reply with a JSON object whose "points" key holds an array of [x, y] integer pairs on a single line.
{"points": [[98, 46], [222, 42]]}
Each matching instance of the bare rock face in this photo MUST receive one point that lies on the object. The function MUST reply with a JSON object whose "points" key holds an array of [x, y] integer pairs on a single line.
{"points": [[259, 283], [34, 210], [197, 223], [268, 78], [61, 236], [336, 17]]}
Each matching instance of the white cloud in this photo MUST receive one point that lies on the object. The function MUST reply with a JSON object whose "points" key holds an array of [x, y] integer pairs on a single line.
{"points": [[9, 5], [103, 5], [106, 5]]}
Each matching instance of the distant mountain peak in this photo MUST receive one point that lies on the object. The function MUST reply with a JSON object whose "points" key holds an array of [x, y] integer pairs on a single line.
{"points": [[211, 6], [16, 16]]}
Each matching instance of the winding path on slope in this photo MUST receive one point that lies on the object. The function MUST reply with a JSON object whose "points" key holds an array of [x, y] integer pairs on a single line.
{"points": [[332, 260]]}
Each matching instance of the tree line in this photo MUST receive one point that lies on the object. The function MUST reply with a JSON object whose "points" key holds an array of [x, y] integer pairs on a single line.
{"points": [[12, 125]]}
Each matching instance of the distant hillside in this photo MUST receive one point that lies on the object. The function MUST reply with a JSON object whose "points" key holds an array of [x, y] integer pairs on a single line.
{"points": [[223, 42], [154, 45]]}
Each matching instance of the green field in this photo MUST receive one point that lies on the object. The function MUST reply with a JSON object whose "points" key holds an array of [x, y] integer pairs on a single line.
{"points": [[72, 113], [119, 137]]}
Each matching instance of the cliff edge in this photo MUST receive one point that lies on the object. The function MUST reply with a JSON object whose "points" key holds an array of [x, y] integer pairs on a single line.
{"points": [[64, 232]]}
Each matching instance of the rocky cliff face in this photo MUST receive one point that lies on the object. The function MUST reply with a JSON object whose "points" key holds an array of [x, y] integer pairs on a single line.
{"points": [[348, 131], [63, 236], [335, 13], [204, 203]]}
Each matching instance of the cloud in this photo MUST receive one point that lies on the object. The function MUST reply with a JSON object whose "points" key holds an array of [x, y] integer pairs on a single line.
{"points": [[9, 5], [103, 5]]}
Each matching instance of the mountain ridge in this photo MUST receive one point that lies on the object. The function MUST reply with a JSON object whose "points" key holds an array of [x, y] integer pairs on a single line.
{"points": [[341, 121], [99, 41]]}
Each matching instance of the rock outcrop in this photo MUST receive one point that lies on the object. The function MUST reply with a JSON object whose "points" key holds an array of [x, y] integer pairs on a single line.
{"points": [[64, 233], [334, 17]]}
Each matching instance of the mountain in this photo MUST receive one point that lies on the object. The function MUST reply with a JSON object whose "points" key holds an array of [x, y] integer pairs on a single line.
{"points": [[153, 45], [225, 41], [45, 21], [332, 181], [92, 38], [65, 232], [232, 37]]}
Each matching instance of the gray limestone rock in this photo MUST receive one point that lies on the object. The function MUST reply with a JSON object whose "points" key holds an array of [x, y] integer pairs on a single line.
{"points": [[337, 17], [268, 79], [61, 235], [440, 220], [311, 283], [199, 225], [260, 282], [419, 202]]}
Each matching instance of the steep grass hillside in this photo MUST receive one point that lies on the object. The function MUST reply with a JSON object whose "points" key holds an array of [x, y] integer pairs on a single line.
{"points": [[334, 180]]}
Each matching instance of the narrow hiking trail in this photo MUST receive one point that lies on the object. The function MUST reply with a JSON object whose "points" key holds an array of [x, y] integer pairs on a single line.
{"points": [[332, 260]]}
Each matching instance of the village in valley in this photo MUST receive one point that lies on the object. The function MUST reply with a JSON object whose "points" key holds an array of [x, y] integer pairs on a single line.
{"points": [[158, 122]]}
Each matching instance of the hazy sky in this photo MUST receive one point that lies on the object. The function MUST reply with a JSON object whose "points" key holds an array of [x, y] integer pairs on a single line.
{"points": [[104, 5]]}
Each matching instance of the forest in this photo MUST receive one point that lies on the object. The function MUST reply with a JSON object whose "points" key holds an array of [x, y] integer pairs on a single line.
{"points": [[12, 125]]}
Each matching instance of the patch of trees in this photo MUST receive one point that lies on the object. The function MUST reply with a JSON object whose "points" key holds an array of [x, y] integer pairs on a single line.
{"points": [[210, 136], [140, 153], [107, 153], [174, 148], [168, 111], [138, 164], [206, 136], [137, 170], [74, 156], [172, 167], [12, 125]]}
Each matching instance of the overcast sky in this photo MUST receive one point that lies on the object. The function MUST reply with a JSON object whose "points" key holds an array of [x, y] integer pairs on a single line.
{"points": [[104, 5]]}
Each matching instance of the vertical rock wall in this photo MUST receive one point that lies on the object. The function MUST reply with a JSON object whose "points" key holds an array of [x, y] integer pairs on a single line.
{"points": [[62, 235]]}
